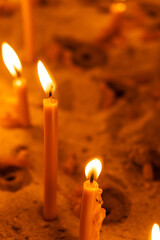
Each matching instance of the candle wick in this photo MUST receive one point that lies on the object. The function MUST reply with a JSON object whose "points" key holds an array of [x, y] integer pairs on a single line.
{"points": [[50, 94], [92, 178], [18, 73]]}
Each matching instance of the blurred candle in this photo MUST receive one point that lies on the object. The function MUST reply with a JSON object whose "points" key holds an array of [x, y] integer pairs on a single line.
{"points": [[28, 31], [92, 214], [115, 24], [50, 109], [14, 66], [117, 11], [118, 7], [155, 234]]}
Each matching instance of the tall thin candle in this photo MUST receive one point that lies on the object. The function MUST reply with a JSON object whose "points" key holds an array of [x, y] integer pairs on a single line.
{"points": [[28, 29], [50, 109]]}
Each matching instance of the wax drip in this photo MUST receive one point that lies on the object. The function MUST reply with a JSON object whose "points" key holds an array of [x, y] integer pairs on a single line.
{"points": [[98, 215], [100, 201]]}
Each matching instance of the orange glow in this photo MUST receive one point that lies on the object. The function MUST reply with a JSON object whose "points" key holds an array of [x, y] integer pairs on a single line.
{"points": [[45, 79], [11, 59], [118, 7], [155, 235], [19, 82], [93, 167]]}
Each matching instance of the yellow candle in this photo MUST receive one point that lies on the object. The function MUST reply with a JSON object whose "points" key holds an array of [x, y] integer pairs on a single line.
{"points": [[117, 10], [27, 15], [50, 108], [14, 66], [22, 111], [115, 25], [92, 214]]}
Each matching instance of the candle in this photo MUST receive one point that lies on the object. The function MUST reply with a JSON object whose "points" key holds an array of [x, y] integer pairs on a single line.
{"points": [[27, 15], [114, 28], [50, 109], [92, 214], [155, 234], [14, 66], [118, 7], [117, 10]]}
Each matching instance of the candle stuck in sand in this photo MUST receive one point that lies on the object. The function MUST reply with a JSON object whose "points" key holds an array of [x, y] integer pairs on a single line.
{"points": [[50, 109], [92, 214], [28, 29], [117, 10], [14, 66]]}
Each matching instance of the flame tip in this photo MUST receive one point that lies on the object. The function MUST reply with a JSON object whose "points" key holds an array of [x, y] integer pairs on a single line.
{"points": [[45, 79], [118, 7], [93, 168], [11, 59], [155, 235]]}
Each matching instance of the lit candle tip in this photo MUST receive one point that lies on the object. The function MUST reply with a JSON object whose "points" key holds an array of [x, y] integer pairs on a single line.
{"points": [[45, 79], [11, 60], [93, 169], [155, 235]]}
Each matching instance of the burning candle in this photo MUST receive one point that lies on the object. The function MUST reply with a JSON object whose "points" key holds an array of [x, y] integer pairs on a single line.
{"points": [[118, 7], [50, 108], [155, 234], [114, 28], [117, 10], [92, 214], [14, 66], [27, 15]]}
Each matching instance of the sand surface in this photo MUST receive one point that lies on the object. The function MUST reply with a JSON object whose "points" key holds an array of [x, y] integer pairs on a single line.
{"points": [[86, 128]]}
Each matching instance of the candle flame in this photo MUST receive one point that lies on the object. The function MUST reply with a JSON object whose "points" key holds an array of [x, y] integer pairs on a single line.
{"points": [[93, 168], [11, 59], [155, 235], [45, 79], [118, 7]]}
